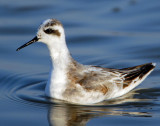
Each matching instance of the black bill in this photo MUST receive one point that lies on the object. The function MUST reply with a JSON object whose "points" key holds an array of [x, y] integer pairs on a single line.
{"points": [[35, 39]]}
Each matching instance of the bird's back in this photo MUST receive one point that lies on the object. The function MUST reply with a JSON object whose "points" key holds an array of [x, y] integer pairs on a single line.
{"points": [[104, 83]]}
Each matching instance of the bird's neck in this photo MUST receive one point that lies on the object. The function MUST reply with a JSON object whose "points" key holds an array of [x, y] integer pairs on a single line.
{"points": [[61, 60], [60, 56]]}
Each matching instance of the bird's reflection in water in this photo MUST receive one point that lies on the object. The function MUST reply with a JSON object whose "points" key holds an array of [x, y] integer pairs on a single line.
{"points": [[65, 114]]}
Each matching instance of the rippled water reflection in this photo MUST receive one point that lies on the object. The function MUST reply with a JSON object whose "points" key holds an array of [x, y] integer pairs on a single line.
{"points": [[113, 34]]}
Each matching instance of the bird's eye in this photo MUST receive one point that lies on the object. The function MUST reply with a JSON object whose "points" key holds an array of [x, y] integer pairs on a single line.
{"points": [[52, 31], [49, 31]]}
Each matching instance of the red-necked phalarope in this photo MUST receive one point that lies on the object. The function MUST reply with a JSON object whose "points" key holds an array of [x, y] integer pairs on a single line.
{"points": [[83, 84]]}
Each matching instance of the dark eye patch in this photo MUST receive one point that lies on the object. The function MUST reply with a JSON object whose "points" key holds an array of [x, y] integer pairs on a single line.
{"points": [[51, 31]]}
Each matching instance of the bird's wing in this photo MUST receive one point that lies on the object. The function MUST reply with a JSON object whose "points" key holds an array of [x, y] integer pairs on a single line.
{"points": [[126, 79]]}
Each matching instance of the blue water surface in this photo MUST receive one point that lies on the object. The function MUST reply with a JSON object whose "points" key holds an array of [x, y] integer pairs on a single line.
{"points": [[109, 33]]}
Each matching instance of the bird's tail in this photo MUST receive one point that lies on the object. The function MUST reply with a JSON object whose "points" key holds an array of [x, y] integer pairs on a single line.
{"points": [[133, 76]]}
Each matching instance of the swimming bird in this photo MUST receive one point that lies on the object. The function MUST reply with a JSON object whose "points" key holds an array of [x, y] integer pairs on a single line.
{"points": [[83, 84]]}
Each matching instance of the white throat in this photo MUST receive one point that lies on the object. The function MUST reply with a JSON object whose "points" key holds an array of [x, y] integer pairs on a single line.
{"points": [[61, 59], [60, 55]]}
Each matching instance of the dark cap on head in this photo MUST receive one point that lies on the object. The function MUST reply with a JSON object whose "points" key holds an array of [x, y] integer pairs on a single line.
{"points": [[53, 22]]}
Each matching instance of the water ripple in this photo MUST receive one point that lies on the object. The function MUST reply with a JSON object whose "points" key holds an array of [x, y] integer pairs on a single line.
{"points": [[22, 88]]}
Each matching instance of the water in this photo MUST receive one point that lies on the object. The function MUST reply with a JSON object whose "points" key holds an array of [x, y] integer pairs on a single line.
{"points": [[115, 34]]}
